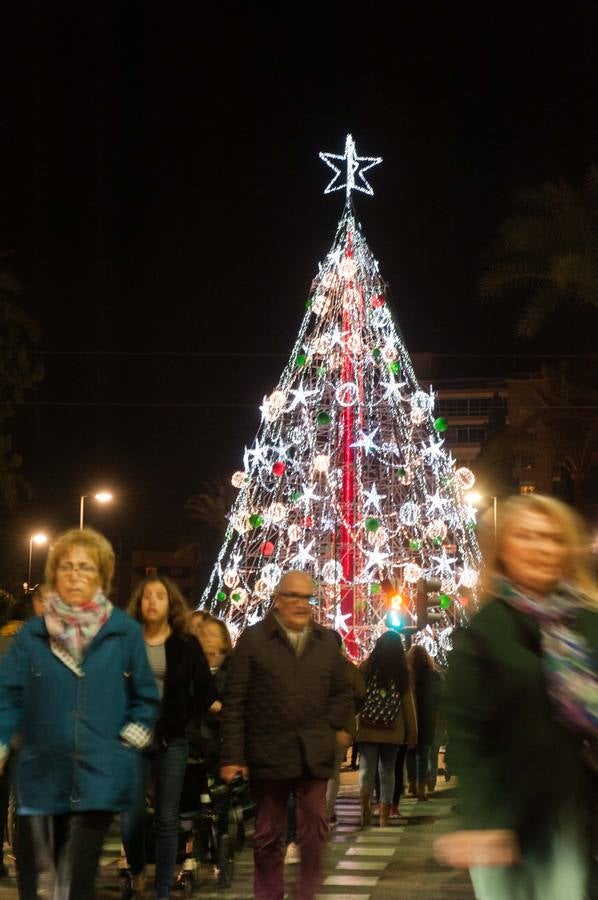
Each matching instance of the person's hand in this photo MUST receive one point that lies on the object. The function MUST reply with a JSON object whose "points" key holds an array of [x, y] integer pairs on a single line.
{"points": [[490, 847], [343, 738], [227, 773]]}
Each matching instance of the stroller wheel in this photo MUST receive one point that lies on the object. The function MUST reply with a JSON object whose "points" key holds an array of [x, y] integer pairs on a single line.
{"points": [[226, 862]]}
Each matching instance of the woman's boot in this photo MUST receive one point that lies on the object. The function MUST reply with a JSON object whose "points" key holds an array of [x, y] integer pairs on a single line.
{"points": [[384, 813], [421, 791], [365, 811]]}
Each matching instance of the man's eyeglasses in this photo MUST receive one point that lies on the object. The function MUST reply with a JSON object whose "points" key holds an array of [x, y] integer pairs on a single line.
{"points": [[85, 569], [291, 596]]}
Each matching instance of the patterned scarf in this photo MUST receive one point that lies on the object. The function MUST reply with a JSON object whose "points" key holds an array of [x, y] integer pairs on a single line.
{"points": [[74, 627], [570, 666]]}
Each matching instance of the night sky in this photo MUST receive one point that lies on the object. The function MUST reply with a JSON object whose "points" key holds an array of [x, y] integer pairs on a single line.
{"points": [[162, 199]]}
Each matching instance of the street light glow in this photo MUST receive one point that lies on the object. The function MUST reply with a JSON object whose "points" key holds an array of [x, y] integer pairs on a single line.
{"points": [[39, 539], [103, 496], [474, 498]]}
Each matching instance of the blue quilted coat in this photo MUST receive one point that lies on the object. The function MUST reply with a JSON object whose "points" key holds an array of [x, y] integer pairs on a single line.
{"points": [[71, 757]]}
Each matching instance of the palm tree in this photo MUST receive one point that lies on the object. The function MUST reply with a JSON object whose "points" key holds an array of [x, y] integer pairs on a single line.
{"points": [[547, 251], [209, 509]]}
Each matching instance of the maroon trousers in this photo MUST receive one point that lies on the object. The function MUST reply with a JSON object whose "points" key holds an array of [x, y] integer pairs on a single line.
{"points": [[270, 829]]}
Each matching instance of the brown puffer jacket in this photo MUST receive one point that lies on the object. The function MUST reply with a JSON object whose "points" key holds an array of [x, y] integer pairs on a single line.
{"points": [[280, 711]]}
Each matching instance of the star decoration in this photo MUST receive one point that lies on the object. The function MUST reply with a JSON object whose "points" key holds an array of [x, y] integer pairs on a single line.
{"points": [[392, 389], [367, 441], [340, 620], [376, 558], [444, 564], [300, 396], [354, 169], [434, 451], [303, 556], [373, 498], [308, 493], [436, 504], [257, 454]]}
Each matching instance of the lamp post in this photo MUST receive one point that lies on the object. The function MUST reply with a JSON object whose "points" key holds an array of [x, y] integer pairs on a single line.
{"points": [[101, 497], [38, 539], [475, 498]]}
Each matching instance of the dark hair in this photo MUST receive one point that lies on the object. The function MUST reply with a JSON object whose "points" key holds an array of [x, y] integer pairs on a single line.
{"points": [[337, 637], [420, 661], [178, 612], [387, 662]]}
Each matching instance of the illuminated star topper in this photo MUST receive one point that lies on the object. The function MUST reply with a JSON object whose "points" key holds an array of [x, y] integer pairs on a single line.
{"points": [[355, 169]]}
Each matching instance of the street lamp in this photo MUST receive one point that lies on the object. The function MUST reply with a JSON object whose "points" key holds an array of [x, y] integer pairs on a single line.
{"points": [[101, 497], [38, 539]]}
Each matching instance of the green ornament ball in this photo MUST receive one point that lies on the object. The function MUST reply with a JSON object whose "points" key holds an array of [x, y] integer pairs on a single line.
{"points": [[256, 520], [445, 601], [414, 545], [377, 353], [301, 360], [321, 371], [221, 596], [296, 495], [323, 418], [440, 424], [401, 473], [438, 542], [308, 304], [235, 597], [374, 588], [372, 524], [394, 367]]}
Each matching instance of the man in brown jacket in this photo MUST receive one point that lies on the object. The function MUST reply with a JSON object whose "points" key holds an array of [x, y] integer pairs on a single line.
{"points": [[284, 709]]}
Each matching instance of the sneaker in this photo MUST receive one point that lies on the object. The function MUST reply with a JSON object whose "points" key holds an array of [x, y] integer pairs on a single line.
{"points": [[394, 811], [293, 854]]}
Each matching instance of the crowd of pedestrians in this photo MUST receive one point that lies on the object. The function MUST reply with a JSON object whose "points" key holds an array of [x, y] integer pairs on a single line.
{"points": [[101, 709]]}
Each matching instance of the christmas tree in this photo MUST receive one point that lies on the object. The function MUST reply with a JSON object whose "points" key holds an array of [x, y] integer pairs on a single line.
{"points": [[348, 477]]}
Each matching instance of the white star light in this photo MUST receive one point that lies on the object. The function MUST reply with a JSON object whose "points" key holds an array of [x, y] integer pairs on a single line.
{"points": [[434, 451], [340, 620], [300, 396], [392, 389], [373, 498], [436, 504], [376, 557], [308, 492], [257, 454], [367, 441], [354, 169], [444, 564], [303, 556]]}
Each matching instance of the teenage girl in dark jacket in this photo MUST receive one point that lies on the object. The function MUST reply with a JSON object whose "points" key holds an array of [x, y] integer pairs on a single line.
{"points": [[186, 690]]}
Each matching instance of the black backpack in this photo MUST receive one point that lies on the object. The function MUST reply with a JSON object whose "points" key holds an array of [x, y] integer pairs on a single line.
{"points": [[381, 706]]}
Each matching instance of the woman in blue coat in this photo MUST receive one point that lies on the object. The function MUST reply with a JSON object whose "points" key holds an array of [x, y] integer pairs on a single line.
{"points": [[77, 690]]}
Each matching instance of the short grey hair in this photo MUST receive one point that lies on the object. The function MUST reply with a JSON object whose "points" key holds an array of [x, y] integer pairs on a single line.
{"points": [[296, 572]]}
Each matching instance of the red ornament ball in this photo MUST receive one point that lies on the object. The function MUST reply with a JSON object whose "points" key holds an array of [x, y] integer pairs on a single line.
{"points": [[377, 301], [267, 548], [307, 522], [279, 468]]}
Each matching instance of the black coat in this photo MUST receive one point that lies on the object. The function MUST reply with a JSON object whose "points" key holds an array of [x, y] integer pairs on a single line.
{"points": [[188, 687], [427, 691], [281, 711]]}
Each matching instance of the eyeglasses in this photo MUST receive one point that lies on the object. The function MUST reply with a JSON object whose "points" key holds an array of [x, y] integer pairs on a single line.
{"points": [[85, 569], [290, 596]]}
